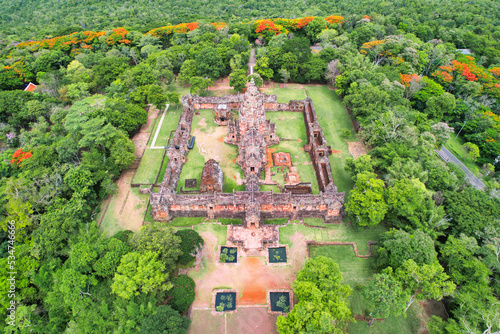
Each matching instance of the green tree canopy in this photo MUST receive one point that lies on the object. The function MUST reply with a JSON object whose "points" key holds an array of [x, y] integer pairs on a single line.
{"points": [[323, 301]]}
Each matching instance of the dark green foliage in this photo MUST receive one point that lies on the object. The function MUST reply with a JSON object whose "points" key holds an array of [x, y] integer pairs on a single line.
{"points": [[471, 210], [209, 63], [165, 320], [124, 235], [397, 246], [107, 70], [323, 301], [122, 115], [190, 240], [182, 293]]}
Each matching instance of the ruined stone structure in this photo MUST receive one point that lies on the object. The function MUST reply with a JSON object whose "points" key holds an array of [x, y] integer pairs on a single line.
{"points": [[211, 177], [222, 114], [252, 133]]}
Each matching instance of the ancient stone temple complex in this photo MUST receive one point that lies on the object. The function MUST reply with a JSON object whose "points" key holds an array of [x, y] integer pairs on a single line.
{"points": [[252, 133]]}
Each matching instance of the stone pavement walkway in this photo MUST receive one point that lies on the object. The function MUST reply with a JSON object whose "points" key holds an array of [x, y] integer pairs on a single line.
{"points": [[447, 156]]}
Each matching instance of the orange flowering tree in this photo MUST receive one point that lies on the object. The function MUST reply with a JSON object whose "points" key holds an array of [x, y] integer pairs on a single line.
{"points": [[182, 28], [495, 71], [15, 75], [406, 79], [117, 36], [67, 42], [267, 28], [466, 68], [219, 25], [19, 156], [334, 19]]}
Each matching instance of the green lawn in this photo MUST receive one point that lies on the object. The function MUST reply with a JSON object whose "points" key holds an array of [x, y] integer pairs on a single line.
{"points": [[149, 166], [169, 123], [354, 270], [289, 125], [186, 221], [164, 165], [192, 168], [333, 117], [455, 147], [333, 232], [276, 221], [286, 94]]}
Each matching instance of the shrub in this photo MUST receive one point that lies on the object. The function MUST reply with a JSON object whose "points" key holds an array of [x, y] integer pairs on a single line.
{"points": [[182, 293], [190, 240]]}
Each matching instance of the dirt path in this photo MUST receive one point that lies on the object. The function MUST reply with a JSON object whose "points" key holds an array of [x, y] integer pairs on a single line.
{"points": [[356, 149], [125, 203]]}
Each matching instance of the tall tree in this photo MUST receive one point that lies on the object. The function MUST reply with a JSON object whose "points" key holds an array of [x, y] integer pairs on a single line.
{"points": [[385, 295], [424, 281], [367, 205], [323, 301], [161, 240], [139, 273]]}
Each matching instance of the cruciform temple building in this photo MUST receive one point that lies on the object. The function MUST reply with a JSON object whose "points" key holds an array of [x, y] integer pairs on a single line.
{"points": [[252, 133]]}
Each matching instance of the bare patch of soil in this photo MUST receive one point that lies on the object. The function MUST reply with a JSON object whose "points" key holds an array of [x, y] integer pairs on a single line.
{"points": [[141, 139], [127, 210], [356, 149], [212, 147], [251, 320], [431, 307]]}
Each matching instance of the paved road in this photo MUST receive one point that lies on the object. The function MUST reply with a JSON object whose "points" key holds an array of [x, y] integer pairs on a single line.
{"points": [[449, 157]]}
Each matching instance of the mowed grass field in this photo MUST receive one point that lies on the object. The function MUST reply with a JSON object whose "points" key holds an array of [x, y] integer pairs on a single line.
{"points": [[333, 117], [291, 92], [332, 232], [149, 167]]}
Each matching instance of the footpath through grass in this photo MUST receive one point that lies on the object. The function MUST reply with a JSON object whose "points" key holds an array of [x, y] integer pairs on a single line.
{"points": [[169, 124], [333, 117]]}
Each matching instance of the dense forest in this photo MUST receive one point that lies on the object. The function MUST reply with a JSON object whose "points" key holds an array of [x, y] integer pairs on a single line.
{"points": [[98, 65]]}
